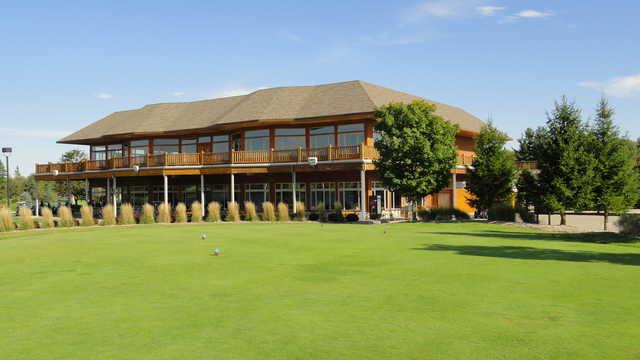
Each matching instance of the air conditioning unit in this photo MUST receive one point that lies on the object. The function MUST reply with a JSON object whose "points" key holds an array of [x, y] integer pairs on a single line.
{"points": [[313, 160]]}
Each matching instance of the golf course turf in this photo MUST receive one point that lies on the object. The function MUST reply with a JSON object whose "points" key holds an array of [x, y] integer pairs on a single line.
{"points": [[302, 291]]}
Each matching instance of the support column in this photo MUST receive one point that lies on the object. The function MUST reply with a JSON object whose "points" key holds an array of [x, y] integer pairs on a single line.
{"points": [[166, 190], [363, 196], [202, 194], [115, 198], [69, 191], [453, 190], [87, 191], [293, 179], [233, 188], [37, 199], [108, 191]]}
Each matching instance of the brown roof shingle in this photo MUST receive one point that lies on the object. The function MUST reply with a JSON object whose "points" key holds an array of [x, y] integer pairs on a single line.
{"points": [[281, 103]]}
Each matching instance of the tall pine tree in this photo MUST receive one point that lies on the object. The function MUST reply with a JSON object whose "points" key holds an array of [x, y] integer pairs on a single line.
{"points": [[566, 161], [491, 178], [616, 182]]}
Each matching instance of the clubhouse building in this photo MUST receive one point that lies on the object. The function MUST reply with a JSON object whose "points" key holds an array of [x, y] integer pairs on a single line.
{"points": [[312, 144]]}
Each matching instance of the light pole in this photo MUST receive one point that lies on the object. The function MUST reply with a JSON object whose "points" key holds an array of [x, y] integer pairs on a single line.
{"points": [[7, 151]]}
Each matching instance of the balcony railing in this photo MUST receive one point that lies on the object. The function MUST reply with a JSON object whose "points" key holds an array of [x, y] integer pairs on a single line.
{"points": [[234, 157]]}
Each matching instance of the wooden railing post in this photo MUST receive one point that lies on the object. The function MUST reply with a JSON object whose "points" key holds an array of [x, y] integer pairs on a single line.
{"points": [[271, 155], [329, 153], [232, 156], [299, 155], [362, 151], [166, 158]]}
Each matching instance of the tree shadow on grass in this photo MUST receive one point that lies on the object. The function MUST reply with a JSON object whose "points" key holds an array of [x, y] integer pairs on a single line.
{"points": [[531, 253], [592, 237]]}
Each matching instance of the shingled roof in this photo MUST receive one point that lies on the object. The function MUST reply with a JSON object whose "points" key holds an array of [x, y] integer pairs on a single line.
{"points": [[281, 103]]}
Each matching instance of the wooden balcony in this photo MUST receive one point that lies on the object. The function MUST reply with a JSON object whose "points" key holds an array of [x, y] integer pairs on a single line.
{"points": [[357, 152]]}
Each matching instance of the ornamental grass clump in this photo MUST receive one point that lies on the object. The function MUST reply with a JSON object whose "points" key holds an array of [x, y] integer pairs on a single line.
{"points": [[181, 213], [300, 211], [65, 217], [26, 218], [233, 212], [283, 212], [321, 211], [148, 213], [86, 216], [46, 220], [164, 214], [268, 212], [126, 215], [214, 211], [6, 222], [196, 212], [108, 217], [250, 209]]}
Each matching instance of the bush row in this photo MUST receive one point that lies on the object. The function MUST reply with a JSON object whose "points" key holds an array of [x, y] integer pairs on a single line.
{"points": [[629, 224], [440, 214], [506, 212]]}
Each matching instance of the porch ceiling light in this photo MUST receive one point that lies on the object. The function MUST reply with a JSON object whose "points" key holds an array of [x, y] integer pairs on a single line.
{"points": [[313, 160]]}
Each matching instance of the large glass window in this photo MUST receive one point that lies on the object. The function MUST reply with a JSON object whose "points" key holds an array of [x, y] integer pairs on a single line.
{"points": [[290, 138], [256, 140], [257, 193], [220, 143], [161, 146], [284, 193], [349, 135], [99, 152], [221, 194], [138, 195], [114, 151], [139, 147], [323, 193], [350, 195], [189, 146], [321, 137]]}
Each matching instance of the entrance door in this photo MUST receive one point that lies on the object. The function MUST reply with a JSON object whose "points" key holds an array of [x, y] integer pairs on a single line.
{"points": [[236, 141]]}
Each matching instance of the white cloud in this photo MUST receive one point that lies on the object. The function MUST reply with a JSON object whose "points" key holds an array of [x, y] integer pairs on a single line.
{"points": [[439, 8], [103, 96], [385, 39], [488, 10], [528, 14], [621, 87], [237, 91], [178, 93], [34, 133]]}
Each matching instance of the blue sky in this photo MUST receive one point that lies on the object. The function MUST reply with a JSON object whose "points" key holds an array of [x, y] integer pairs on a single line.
{"points": [[64, 65]]}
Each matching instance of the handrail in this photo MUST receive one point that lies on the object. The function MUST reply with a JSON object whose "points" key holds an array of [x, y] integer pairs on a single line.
{"points": [[299, 155]]}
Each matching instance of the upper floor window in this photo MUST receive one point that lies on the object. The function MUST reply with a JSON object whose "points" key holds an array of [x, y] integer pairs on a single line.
{"points": [[114, 151], [189, 146], [349, 135], [290, 138], [161, 146], [256, 139], [98, 152], [220, 143], [322, 136], [139, 147]]}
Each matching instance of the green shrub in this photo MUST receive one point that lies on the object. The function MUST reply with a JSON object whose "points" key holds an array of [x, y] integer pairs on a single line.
{"points": [[148, 214], [441, 214], [233, 212], [314, 217], [268, 212], [86, 216], [46, 220], [108, 217], [126, 215], [214, 211], [526, 215], [283, 212], [6, 221], [65, 217], [629, 224], [26, 218], [196, 212], [337, 215], [300, 211], [352, 217], [501, 212], [164, 214], [181, 213]]}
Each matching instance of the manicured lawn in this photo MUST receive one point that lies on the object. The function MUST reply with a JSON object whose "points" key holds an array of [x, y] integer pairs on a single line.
{"points": [[418, 291]]}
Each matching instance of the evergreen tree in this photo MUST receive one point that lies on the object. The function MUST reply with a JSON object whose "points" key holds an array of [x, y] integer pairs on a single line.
{"points": [[491, 178], [566, 161], [417, 149], [616, 180], [77, 188]]}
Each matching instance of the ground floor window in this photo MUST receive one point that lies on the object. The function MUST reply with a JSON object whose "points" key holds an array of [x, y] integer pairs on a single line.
{"points": [[324, 193], [138, 195], [257, 193], [157, 195], [350, 195], [98, 195], [284, 193], [190, 194], [221, 194]]}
